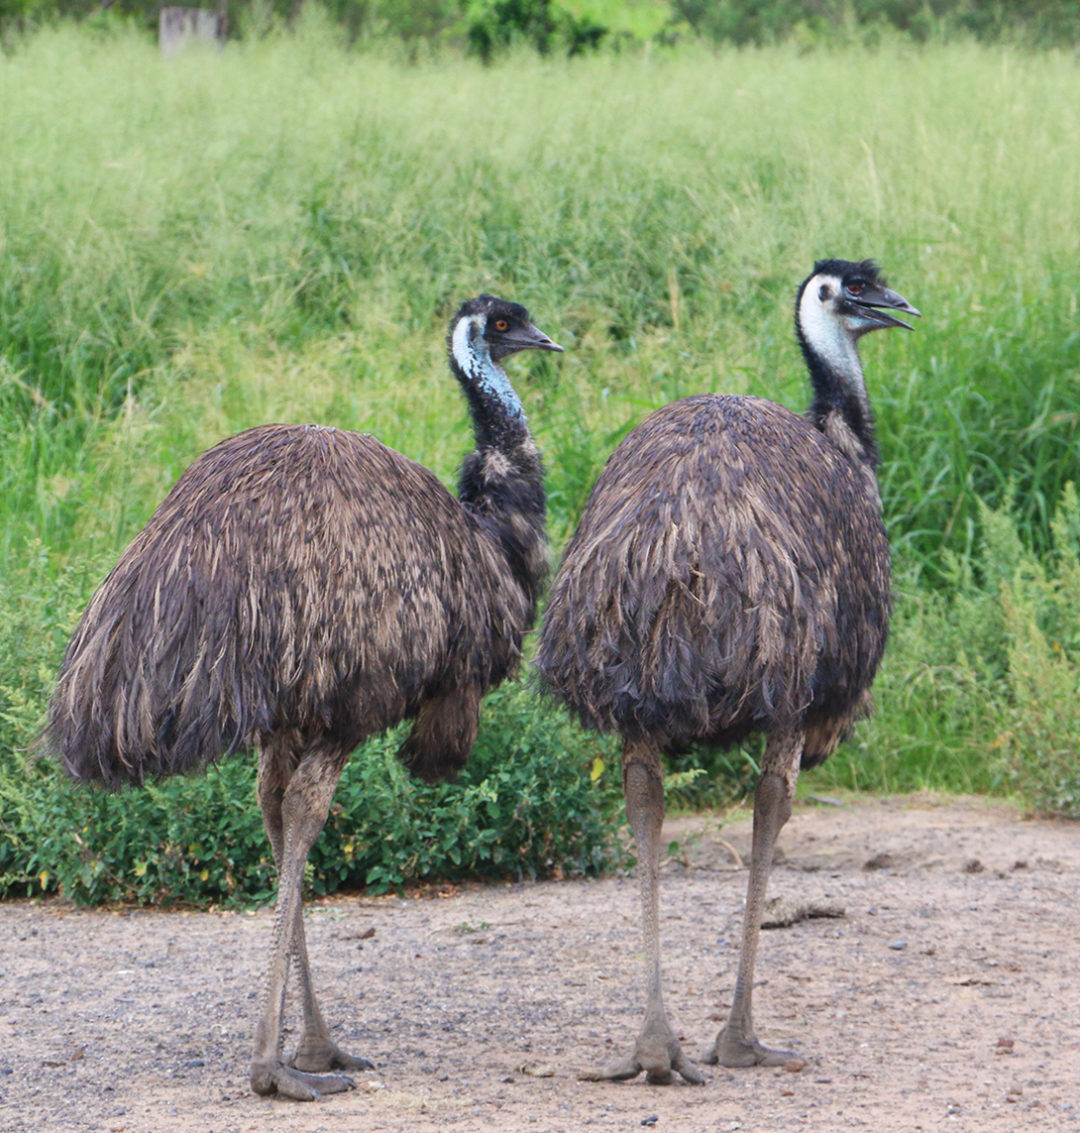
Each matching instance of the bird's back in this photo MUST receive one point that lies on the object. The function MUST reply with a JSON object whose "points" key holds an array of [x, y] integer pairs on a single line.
{"points": [[730, 573], [295, 576]]}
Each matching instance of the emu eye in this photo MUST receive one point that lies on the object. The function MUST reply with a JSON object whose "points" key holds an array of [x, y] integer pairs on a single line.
{"points": [[856, 286], [502, 326]]}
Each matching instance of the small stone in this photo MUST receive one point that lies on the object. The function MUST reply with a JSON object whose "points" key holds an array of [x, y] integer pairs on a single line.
{"points": [[973, 865], [650, 1120], [898, 945], [794, 1065], [537, 1070]]}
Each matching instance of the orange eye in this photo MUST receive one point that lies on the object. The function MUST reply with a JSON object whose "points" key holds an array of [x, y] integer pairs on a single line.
{"points": [[501, 325], [856, 286]]}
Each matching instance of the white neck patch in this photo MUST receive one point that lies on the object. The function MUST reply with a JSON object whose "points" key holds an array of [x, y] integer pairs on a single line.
{"points": [[471, 353], [826, 334], [462, 344]]}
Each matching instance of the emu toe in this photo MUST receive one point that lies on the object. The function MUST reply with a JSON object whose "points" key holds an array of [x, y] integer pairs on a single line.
{"points": [[296, 1084], [317, 1056], [735, 1051], [658, 1053]]}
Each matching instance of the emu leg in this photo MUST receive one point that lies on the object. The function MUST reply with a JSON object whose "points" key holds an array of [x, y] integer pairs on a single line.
{"points": [[294, 816], [736, 1044], [657, 1050], [316, 1051]]}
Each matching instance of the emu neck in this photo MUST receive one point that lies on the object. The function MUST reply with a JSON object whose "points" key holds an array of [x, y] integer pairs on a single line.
{"points": [[502, 482], [497, 414], [503, 487], [836, 376]]}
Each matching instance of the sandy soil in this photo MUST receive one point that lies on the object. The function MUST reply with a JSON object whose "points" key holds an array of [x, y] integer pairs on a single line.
{"points": [[946, 997]]}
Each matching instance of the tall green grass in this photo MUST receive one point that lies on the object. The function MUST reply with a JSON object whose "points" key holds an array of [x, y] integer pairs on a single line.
{"points": [[280, 232], [656, 213]]}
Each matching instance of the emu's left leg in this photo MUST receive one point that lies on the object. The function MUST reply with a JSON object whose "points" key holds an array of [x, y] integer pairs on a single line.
{"points": [[316, 1053], [657, 1050], [736, 1044]]}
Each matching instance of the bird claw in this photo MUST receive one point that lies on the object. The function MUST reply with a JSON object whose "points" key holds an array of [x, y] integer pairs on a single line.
{"points": [[297, 1084], [317, 1056], [734, 1052], [660, 1056]]}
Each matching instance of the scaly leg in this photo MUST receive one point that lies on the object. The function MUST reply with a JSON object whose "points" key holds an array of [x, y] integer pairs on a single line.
{"points": [[657, 1050], [736, 1044], [316, 1051], [294, 815]]}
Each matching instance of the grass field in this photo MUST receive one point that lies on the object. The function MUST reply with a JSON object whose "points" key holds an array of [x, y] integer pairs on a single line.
{"points": [[281, 231]]}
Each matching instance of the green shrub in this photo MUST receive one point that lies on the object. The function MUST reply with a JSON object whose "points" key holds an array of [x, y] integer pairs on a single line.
{"points": [[529, 804], [980, 689], [1040, 616]]}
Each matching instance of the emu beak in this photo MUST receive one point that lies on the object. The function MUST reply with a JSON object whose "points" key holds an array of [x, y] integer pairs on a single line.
{"points": [[876, 302], [530, 338]]}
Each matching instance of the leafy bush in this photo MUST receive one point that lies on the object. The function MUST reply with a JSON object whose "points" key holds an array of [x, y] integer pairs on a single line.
{"points": [[980, 690], [529, 804], [545, 25], [1040, 617]]}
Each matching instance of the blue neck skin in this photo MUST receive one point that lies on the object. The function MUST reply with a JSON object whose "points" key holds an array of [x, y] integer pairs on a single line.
{"points": [[497, 410]]}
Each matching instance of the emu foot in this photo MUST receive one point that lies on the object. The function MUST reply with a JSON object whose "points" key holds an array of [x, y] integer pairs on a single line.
{"points": [[317, 1055], [276, 1077], [734, 1051], [658, 1053]]}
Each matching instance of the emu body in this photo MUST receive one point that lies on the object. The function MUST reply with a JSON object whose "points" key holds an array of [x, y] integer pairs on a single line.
{"points": [[730, 575], [709, 592], [299, 589], [295, 577]]}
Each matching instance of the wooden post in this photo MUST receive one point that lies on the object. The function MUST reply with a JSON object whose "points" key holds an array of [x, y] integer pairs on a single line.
{"points": [[178, 27]]}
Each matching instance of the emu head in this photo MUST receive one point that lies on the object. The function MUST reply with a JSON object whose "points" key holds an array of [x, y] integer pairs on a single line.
{"points": [[495, 328], [843, 300]]}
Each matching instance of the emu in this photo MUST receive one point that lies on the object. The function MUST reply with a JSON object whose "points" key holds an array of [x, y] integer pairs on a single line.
{"points": [[730, 575], [299, 589]]}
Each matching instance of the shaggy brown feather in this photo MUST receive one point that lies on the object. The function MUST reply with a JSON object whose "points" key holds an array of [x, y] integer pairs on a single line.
{"points": [[294, 575], [730, 573]]}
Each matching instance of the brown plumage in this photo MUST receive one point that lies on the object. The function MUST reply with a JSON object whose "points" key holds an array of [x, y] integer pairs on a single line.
{"points": [[295, 576], [710, 589], [729, 575], [298, 590]]}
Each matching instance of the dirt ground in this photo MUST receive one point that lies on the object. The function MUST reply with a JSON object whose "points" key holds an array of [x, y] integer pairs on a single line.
{"points": [[946, 997]]}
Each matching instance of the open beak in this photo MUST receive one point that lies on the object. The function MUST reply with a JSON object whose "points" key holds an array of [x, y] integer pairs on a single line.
{"points": [[878, 302]]}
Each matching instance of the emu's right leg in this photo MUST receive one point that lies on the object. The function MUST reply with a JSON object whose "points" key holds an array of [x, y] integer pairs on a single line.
{"points": [[316, 1051], [295, 806], [657, 1050], [737, 1044]]}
